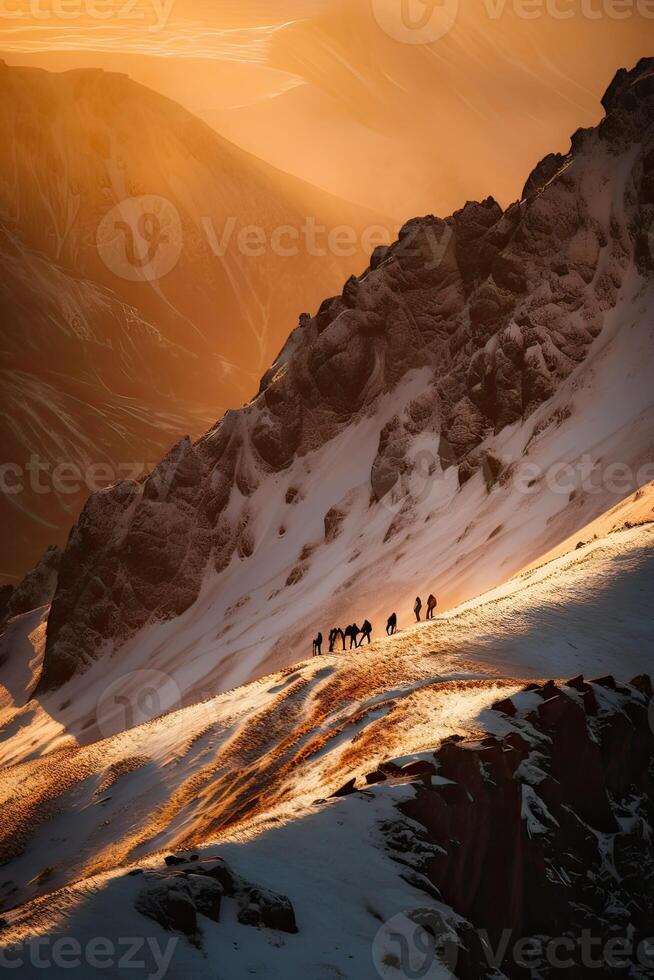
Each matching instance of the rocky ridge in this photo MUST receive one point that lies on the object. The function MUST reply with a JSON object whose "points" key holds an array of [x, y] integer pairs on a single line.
{"points": [[36, 589], [499, 307], [188, 887], [543, 832]]}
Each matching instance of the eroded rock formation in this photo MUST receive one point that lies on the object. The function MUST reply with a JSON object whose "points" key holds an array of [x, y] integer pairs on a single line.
{"points": [[543, 833]]}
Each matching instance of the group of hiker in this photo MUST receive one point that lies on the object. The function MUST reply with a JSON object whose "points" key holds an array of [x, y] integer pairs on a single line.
{"points": [[356, 636]]}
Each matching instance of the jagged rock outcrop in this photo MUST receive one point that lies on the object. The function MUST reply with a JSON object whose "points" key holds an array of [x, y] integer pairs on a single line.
{"points": [[498, 307], [36, 589], [175, 897], [544, 833]]}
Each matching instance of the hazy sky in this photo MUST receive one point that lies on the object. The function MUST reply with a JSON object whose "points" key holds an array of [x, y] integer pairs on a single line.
{"points": [[406, 106], [217, 28]]}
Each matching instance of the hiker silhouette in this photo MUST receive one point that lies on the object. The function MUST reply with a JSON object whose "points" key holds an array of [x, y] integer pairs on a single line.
{"points": [[366, 631], [354, 633], [417, 608], [317, 646], [333, 636], [432, 602], [391, 625]]}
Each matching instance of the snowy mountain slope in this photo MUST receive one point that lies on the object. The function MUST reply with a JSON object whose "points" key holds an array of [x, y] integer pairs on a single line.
{"points": [[631, 512], [336, 930], [250, 774], [409, 438], [364, 891], [72, 776]]}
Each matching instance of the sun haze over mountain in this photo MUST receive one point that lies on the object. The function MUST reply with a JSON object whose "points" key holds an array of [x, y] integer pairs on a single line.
{"points": [[150, 276], [403, 128]]}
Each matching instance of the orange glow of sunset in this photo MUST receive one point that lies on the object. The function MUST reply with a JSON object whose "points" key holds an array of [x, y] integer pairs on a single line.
{"points": [[365, 113]]}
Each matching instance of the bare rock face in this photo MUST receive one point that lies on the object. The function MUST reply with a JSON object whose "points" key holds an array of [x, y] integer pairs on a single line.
{"points": [[545, 832], [188, 889], [543, 173], [498, 306], [37, 588]]}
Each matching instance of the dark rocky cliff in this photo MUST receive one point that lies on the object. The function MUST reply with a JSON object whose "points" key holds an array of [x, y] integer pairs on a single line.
{"points": [[545, 833]]}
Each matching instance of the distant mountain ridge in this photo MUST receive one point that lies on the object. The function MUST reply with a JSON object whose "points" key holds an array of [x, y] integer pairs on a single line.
{"points": [[164, 317]]}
